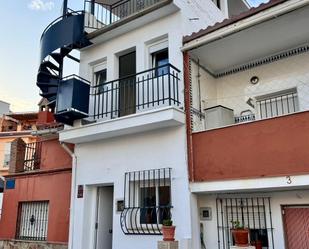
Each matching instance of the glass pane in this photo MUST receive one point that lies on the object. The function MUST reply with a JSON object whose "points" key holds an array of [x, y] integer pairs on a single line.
{"points": [[148, 205], [161, 58], [164, 203]]}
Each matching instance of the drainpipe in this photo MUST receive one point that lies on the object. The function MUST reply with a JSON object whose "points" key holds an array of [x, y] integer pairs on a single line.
{"points": [[73, 184]]}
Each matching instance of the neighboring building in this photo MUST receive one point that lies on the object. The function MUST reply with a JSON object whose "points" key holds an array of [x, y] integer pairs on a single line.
{"points": [[4, 108], [126, 109], [247, 86], [12, 126], [36, 198]]}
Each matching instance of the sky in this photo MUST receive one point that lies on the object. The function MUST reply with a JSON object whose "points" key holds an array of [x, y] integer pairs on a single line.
{"points": [[22, 23]]}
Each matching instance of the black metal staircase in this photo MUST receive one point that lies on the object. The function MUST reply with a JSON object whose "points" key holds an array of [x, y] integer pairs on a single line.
{"points": [[58, 40]]}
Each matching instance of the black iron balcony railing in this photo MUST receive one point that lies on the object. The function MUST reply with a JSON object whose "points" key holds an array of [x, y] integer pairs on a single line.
{"points": [[150, 89], [32, 159], [99, 15]]}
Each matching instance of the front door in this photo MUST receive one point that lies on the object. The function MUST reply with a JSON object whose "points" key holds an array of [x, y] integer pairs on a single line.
{"points": [[296, 222], [104, 219], [127, 84]]}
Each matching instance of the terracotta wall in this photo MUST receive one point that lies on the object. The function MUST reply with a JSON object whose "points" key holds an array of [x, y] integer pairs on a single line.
{"points": [[52, 187], [272, 147], [53, 156]]}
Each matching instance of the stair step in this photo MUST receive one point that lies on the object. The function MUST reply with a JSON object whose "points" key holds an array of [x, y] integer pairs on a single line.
{"points": [[48, 94], [57, 57], [65, 51], [47, 75], [49, 64], [46, 84]]}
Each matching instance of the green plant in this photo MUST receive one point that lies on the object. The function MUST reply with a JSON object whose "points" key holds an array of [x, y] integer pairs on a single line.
{"points": [[167, 222], [236, 225]]}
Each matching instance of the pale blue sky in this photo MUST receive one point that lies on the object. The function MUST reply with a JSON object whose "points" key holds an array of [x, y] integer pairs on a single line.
{"points": [[21, 25]]}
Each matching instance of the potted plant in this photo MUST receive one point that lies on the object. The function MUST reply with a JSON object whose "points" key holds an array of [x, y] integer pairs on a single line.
{"points": [[240, 234], [168, 230]]}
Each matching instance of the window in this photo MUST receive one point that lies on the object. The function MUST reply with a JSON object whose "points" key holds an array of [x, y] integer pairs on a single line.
{"points": [[100, 78], [147, 201], [32, 220], [155, 204], [277, 104], [253, 213], [160, 59], [7, 155]]}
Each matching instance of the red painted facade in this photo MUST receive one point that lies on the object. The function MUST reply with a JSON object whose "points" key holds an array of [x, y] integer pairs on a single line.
{"points": [[51, 182], [273, 147], [54, 187]]}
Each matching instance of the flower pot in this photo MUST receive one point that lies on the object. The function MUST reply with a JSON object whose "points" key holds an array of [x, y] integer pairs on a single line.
{"points": [[168, 233], [257, 244], [240, 237]]}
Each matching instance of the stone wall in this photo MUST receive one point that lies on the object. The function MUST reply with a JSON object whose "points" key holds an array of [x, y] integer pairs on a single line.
{"points": [[30, 245]]}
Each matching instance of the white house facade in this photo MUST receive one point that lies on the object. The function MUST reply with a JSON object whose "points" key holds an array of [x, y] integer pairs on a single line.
{"points": [[249, 118], [125, 115]]}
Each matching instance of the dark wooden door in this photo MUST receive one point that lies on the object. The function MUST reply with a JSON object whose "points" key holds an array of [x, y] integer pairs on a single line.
{"points": [[127, 84]]}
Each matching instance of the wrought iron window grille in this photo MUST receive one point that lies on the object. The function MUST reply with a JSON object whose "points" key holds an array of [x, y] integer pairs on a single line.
{"points": [[253, 213], [278, 104], [32, 220], [147, 201], [32, 158]]}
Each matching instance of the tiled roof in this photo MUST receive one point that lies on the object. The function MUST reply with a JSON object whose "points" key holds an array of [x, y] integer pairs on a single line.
{"points": [[232, 20]]}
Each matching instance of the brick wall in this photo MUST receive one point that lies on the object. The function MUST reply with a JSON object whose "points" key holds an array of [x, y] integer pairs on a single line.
{"points": [[17, 156]]}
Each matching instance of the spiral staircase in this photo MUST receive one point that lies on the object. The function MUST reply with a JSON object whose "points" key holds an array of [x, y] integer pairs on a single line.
{"points": [[62, 36]]}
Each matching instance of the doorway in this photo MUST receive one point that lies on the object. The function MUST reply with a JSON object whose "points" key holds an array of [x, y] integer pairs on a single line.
{"points": [[127, 84], [104, 218], [296, 225]]}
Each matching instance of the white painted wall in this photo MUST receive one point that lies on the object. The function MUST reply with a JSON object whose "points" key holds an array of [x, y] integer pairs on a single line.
{"points": [[105, 163], [234, 90], [4, 108], [277, 200]]}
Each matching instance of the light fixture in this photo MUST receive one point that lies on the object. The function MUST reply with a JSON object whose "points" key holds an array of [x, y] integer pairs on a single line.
{"points": [[254, 80]]}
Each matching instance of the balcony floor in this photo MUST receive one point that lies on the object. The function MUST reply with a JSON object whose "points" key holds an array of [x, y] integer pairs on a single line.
{"points": [[139, 122]]}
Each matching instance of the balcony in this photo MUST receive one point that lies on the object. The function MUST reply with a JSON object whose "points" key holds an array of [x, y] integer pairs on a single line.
{"points": [[119, 16], [270, 147], [144, 101]]}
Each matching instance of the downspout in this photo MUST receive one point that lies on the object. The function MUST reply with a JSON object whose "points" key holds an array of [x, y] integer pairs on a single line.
{"points": [[73, 184], [187, 83]]}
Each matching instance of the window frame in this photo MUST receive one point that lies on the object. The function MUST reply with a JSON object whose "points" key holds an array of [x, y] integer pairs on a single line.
{"points": [[157, 197], [7, 153], [159, 72]]}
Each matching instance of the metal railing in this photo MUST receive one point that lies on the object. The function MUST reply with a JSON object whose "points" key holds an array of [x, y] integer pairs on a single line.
{"points": [[147, 201], [254, 213], [146, 90], [99, 15], [244, 118], [32, 158], [281, 104]]}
